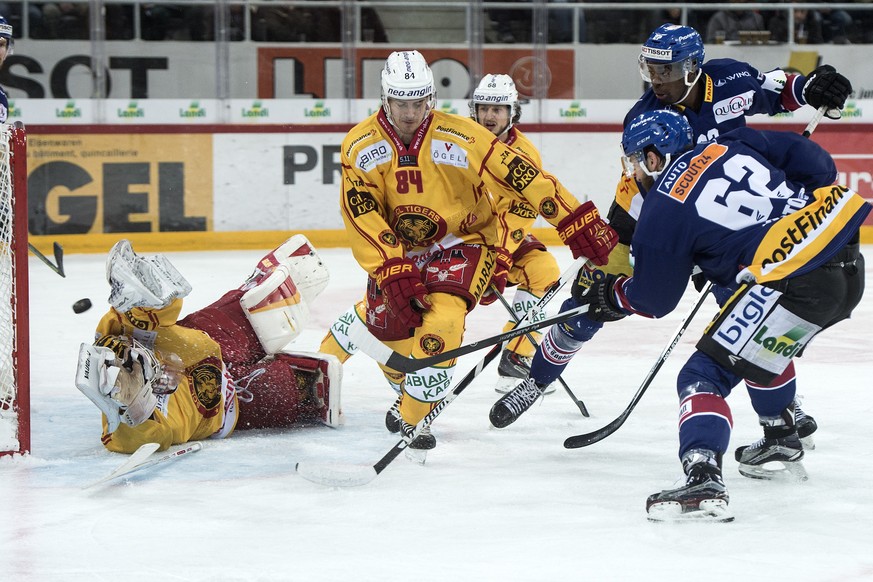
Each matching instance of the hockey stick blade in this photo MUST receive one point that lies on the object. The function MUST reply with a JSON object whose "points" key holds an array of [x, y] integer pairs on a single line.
{"points": [[336, 475], [59, 257], [583, 440]]}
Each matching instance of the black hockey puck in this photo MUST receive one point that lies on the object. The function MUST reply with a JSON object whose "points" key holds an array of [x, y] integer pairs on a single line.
{"points": [[82, 305]]}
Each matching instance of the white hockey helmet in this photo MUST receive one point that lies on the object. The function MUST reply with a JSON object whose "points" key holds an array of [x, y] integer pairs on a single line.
{"points": [[407, 77], [496, 90]]}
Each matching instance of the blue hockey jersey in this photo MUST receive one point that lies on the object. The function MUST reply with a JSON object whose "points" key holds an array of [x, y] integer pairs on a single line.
{"points": [[751, 202], [732, 91]]}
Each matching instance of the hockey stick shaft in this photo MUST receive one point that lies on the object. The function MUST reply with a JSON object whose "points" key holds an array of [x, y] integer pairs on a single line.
{"points": [[142, 459], [384, 355], [813, 123], [59, 258], [361, 475], [583, 440], [579, 404]]}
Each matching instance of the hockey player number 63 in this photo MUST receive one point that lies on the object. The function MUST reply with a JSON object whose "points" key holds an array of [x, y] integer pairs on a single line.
{"points": [[743, 196]]}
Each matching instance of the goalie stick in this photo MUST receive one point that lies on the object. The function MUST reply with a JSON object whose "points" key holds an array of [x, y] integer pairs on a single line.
{"points": [[141, 459], [583, 440], [59, 258], [371, 346], [347, 475], [579, 404]]}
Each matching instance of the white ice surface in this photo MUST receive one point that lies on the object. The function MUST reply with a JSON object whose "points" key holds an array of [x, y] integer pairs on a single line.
{"points": [[489, 504]]}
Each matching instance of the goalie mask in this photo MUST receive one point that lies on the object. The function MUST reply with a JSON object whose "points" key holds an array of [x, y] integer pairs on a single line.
{"points": [[666, 132], [496, 90], [671, 53], [407, 77]]}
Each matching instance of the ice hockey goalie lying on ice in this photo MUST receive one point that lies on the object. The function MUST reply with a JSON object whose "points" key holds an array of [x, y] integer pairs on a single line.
{"points": [[161, 379]]}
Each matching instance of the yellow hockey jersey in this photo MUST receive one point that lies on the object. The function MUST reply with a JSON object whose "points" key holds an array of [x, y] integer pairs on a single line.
{"points": [[515, 218], [204, 403], [401, 200]]}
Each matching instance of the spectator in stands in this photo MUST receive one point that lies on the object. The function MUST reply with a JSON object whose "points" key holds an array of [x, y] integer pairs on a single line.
{"points": [[727, 24], [807, 26], [119, 21], [200, 22], [513, 25], [65, 20], [835, 25], [672, 14], [315, 24]]}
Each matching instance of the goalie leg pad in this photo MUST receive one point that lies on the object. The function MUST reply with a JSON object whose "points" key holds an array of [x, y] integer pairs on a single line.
{"points": [[324, 373], [292, 387], [276, 310], [142, 281], [308, 271]]}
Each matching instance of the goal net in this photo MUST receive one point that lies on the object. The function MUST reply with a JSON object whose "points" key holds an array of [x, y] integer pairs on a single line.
{"points": [[14, 340]]}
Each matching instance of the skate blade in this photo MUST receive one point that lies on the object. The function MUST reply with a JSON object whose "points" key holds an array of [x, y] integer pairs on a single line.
{"points": [[416, 455], [790, 471], [505, 384], [709, 510]]}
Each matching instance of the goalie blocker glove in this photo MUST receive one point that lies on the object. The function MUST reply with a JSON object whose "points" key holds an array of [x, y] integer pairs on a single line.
{"points": [[587, 234], [825, 87]]}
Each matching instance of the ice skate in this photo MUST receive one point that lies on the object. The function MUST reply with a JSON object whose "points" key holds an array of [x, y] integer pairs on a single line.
{"points": [[806, 425], [776, 456], [512, 405], [425, 440], [392, 417], [703, 497], [512, 368]]}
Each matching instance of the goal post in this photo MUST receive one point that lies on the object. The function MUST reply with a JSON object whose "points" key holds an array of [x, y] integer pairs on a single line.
{"points": [[14, 322]]}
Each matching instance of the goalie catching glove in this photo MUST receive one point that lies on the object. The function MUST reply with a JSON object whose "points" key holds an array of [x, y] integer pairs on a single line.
{"points": [[404, 293], [826, 87], [602, 298], [587, 234], [498, 277]]}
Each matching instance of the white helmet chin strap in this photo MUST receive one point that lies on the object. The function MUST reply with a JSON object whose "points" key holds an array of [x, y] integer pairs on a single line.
{"points": [[689, 85], [655, 173]]}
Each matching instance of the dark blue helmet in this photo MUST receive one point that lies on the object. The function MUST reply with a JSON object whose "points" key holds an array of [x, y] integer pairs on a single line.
{"points": [[668, 132], [671, 52], [6, 32]]}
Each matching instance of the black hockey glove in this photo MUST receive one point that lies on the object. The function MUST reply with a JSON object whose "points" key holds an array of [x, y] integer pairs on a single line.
{"points": [[826, 87], [600, 297]]}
